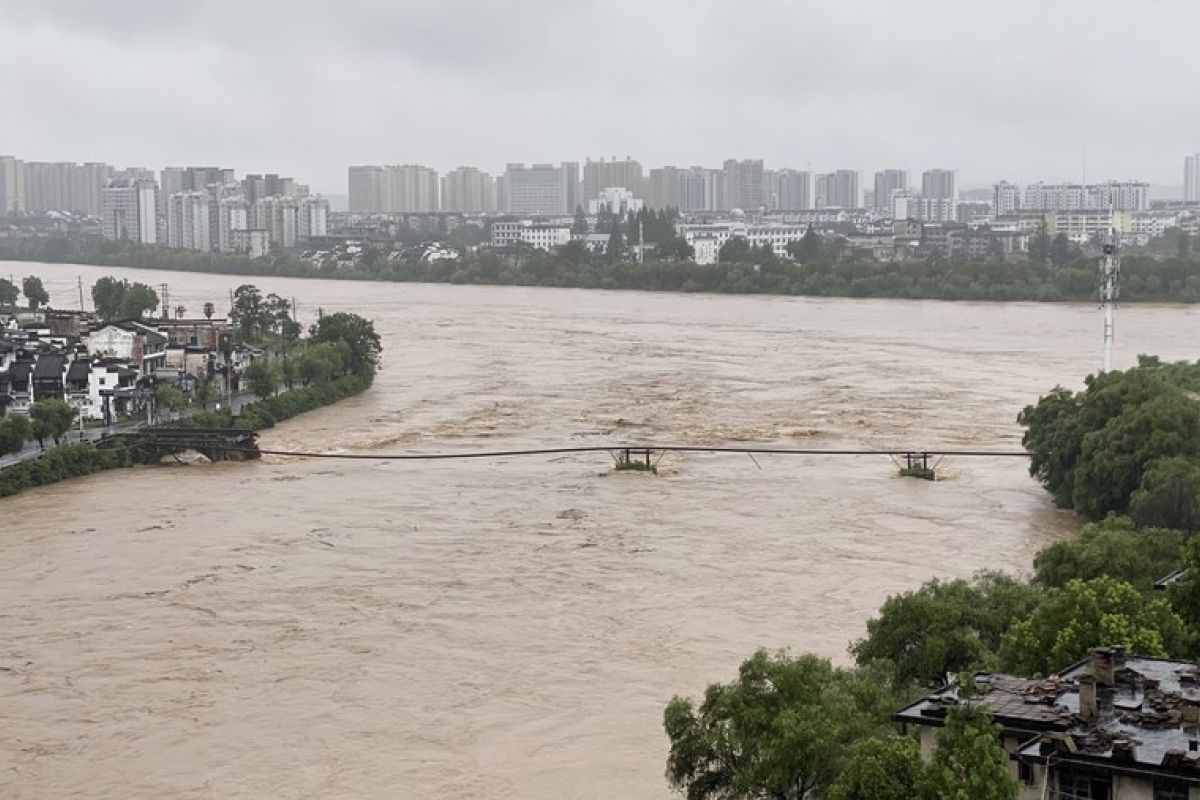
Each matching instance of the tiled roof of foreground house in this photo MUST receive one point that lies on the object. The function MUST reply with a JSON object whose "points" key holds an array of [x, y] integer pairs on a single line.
{"points": [[1104, 717]]}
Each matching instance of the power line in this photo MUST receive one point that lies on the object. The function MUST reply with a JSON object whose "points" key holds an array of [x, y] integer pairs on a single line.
{"points": [[615, 448]]}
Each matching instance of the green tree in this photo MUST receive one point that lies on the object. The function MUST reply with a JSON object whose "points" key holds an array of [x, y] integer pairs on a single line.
{"points": [[735, 249], [362, 344], [262, 378], [1039, 244], [119, 299], [1079, 616], [780, 730], [209, 310], [580, 226], [35, 294], [968, 762], [806, 249], [1184, 595], [169, 396], [615, 250], [883, 768], [1113, 547], [314, 366], [1184, 245], [1169, 496], [107, 297], [50, 419], [15, 430], [1091, 449], [277, 318], [137, 300], [1114, 459], [8, 293], [944, 627], [249, 313], [204, 393], [1061, 250]]}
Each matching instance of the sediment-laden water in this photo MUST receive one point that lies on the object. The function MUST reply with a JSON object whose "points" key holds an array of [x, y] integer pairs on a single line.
{"points": [[513, 628]]}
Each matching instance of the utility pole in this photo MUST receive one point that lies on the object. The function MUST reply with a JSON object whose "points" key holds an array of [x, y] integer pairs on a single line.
{"points": [[81, 306], [1110, 288]]}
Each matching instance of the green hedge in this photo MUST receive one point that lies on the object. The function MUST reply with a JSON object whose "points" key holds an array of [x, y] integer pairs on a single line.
{"points": [[266, 413], [58, 464]]}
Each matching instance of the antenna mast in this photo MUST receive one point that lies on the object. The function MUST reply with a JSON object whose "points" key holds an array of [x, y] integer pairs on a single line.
{"points": [[1110, 287]]}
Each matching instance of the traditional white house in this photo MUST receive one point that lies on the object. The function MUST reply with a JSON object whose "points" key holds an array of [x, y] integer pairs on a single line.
{"points": [[140, 345]]}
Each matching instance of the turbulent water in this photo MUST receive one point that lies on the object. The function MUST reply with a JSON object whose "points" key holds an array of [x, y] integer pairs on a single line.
{"points": [[513, 628]]}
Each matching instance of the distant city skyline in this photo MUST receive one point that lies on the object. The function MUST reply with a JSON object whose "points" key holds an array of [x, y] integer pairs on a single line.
{"points": [[303, 89]]}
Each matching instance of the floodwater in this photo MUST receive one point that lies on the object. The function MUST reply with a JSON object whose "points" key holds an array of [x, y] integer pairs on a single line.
{"points": [[513, 628]]}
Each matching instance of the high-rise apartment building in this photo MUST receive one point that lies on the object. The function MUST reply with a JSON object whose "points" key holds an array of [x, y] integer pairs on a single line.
{"points": [[795, 190], [279, 217], [573, 187], [664, 185], [468, 190], [1120, 195], [743, 184], [12, 185], [1006, 198], [540, 189], [395, 189], [839, 189], [1191, 178], [410, 188], [188, 222], [366, 189], [233, 214], [601, 175], [129, 211], [700, 189], [312, 218], [939, 183], [888, 181], [65, 186]]}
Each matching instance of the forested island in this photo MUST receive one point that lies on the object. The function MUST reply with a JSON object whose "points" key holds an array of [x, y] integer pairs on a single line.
{"points": [[820, 269], [1124, 453]]}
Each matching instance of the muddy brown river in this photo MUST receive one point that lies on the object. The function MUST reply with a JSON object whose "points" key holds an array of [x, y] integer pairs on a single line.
{"points": [[513, 628]]}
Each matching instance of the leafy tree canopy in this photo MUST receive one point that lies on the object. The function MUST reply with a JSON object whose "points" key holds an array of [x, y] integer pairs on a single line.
{"points": [[1073, 619], [8, 293], [120, 299], [1093, 449], [968, 761], [1114, 547], [883, 768], [362, 344], [944, 627], [779, 731], [35, 293]]}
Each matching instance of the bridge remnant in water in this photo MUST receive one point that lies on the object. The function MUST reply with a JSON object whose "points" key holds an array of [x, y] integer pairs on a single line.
{"points": [[151, 445]]}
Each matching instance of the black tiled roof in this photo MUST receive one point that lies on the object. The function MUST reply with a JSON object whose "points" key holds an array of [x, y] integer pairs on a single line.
{"points": [[50, 367]]}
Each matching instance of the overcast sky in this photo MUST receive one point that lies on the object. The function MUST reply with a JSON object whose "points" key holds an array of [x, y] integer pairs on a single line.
{"points": [[1019, 89]]}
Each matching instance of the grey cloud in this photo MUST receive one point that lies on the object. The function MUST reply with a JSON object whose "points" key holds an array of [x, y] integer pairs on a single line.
{"points": [[1014, 90]]}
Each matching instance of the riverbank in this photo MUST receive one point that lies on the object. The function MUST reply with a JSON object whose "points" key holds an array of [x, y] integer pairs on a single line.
{"points": [[1144, 279], [75, 460]]}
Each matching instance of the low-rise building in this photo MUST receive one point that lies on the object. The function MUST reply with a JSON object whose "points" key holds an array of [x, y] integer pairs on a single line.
{"points": [[1106, 728], [132, 342], [542, 236]]}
